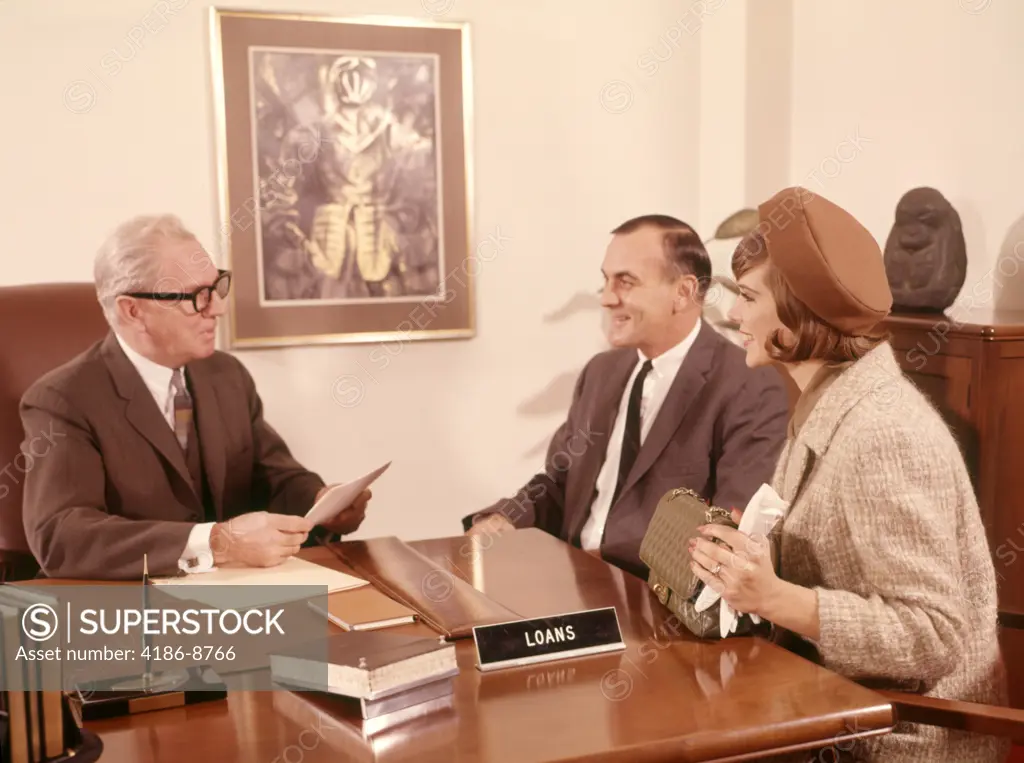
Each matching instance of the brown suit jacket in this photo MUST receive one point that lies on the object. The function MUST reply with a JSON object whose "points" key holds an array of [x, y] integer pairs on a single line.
{"points": [[114, 484], [719, 432]]}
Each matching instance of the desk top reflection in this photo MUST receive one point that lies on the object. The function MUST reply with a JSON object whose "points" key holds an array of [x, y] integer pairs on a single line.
{"points": [[667, 697]]}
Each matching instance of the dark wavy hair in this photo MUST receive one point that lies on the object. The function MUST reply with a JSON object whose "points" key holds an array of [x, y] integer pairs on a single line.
{"points": [[684, 251]]}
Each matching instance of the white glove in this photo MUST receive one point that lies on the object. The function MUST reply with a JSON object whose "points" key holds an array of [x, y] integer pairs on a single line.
{"points": [[759, 518]]}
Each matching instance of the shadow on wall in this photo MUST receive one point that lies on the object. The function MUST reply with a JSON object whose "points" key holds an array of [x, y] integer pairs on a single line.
{"points": [[1008, 272], [979, 290], [556, 395]]}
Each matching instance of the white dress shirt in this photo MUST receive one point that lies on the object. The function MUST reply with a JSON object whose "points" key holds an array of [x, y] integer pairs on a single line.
{"points": [[655, 390], [197, 556]]}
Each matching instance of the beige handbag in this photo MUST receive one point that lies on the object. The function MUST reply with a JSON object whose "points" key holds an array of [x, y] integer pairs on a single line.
{"points": [[665, 550]]}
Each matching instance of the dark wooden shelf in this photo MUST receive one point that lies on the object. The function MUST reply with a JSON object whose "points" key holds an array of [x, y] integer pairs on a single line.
{"points": [[970, 363]]}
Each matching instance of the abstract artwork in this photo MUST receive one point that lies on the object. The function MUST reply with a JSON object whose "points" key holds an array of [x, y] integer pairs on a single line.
{"points": [[345, 178]]}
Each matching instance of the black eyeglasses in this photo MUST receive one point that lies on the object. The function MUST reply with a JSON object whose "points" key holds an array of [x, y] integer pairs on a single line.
{"points": [[200, 298]]}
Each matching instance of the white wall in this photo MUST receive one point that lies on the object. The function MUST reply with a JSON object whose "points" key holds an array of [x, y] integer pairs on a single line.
{"points": [[933, 90], [585, 113], [558, 162]]}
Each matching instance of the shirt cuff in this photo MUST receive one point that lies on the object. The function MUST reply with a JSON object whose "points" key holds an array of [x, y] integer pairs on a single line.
{"points": [[198, 556]]}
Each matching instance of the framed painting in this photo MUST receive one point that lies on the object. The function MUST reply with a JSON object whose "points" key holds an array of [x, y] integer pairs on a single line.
{"points": [[345, 178]]}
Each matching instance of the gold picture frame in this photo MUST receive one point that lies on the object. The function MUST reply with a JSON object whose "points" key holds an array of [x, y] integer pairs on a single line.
{"points": [[345, 181]]}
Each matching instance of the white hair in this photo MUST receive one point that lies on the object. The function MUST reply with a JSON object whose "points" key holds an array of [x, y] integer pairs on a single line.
{"points": [[128, 260]]}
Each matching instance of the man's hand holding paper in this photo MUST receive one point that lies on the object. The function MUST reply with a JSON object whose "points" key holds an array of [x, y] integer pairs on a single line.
{"points": [[258, 539], [341, 508], [350, 517]]}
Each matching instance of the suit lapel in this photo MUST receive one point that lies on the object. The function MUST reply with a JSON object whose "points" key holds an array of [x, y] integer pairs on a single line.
{"points": [[602, 421], [210, 431], [141, 410], [686, 386]]}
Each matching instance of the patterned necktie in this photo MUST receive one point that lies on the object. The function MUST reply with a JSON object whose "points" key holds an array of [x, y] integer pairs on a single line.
{"points": [[182, 408]]}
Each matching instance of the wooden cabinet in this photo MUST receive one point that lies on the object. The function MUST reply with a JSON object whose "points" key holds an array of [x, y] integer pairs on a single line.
{"points": [[971, 365]]}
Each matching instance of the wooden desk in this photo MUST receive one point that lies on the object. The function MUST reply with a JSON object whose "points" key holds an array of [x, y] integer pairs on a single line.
{"points": [[668, 697]]}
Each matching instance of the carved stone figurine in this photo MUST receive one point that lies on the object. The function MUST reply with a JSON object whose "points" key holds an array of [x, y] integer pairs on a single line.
{"points": [[925, 255]]}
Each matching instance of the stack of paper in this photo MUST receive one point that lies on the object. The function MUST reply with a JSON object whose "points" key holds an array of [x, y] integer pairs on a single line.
{"points": [[258, 586]]}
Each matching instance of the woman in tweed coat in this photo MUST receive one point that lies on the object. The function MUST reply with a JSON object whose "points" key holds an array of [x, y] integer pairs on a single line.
{"points": [[885, 572]]}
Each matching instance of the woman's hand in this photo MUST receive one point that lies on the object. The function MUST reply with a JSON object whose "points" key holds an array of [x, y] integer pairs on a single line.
{"points": [[741, 572]]}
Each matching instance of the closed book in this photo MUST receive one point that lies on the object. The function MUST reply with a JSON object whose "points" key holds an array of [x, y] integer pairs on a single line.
{"points": [[423, 731], [363, 609], [365, 664]]}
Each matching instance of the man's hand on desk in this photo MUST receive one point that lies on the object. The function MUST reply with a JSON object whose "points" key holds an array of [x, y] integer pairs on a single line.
{"points": [[258, 539], [348, 519], [492, 524]]}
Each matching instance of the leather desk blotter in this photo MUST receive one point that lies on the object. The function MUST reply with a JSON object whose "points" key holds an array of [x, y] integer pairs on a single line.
{"points": [[444, 601]]}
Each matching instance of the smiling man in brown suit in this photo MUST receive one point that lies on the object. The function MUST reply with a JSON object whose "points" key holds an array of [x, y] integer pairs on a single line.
{"points": [[673, 405], [162, 448]]}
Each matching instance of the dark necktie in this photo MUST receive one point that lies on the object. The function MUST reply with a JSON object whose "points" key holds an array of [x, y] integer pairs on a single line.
{"points": [[631, 436]]}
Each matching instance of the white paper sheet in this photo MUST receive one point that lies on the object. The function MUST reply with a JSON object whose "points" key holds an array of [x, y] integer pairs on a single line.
{"points": [[340, 497], [257, 586], [765, 508]]}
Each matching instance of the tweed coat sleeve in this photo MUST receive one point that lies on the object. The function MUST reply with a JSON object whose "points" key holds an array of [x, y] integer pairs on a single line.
{"points": [[897, 504]]}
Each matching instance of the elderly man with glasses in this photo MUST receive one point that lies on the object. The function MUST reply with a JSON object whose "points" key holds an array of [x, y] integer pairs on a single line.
{"points": [[161, 449]]}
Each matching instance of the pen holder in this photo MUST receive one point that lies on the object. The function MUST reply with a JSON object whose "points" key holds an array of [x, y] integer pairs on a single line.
{"points": [[127, 696]]}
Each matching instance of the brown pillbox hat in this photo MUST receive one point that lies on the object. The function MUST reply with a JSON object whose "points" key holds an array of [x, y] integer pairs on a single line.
{"points": [[829, 260]]}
